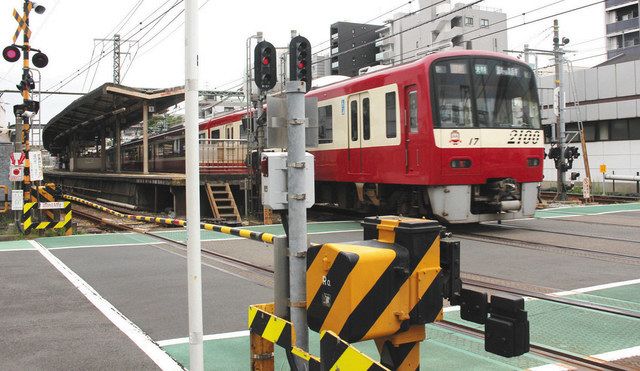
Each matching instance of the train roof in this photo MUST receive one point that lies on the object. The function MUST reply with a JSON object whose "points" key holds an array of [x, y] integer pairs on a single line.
{"points": [[375, 78]]}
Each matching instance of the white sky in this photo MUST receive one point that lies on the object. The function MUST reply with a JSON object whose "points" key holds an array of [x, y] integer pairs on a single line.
{"points": [[67, 29]]}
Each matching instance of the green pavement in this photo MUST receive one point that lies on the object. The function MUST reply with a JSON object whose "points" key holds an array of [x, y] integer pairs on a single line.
{"points": [[570, 329], [90, 240], [586, 210], [623, 297], [277, 229], [15, 245], [443, 350]]}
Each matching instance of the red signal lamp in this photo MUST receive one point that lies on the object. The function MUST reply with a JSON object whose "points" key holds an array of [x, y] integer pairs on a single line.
{"points": [[301, 64], [11, 53], [265, 61]]}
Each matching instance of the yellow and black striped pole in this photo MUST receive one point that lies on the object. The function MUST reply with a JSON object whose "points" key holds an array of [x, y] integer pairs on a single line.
{"points": [[26, 123]]}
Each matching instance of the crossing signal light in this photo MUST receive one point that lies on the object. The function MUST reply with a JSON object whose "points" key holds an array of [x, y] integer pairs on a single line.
{"points": [[11, 53], [300, 60], [265, 65], [40, 60]]}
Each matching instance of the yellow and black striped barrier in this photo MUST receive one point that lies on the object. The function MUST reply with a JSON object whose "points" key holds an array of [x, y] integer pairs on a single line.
{"points": [[6, 207], [29, 224], [336, 354], [245, 233]]}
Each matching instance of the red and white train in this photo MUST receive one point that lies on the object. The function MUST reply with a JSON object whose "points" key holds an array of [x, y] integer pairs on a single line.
{"points": [[455, 135]]}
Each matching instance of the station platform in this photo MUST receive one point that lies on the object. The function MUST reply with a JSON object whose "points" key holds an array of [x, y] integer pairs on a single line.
{"points": [[119, 300]]}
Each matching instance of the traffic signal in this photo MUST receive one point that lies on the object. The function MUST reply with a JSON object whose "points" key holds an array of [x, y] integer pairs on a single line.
{"points": [[11, 53], [265, 65], [300, 60]]}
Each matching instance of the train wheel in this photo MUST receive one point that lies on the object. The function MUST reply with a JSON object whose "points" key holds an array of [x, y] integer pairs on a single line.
{"points": [[400, 203]]}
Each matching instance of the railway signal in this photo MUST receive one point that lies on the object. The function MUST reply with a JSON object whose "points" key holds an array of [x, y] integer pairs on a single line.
{"points": [[11, 53], [300, 60], [265, 65]]}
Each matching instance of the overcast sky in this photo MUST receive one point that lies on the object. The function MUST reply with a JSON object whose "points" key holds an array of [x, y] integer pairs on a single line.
{"points": [[66, 33]]}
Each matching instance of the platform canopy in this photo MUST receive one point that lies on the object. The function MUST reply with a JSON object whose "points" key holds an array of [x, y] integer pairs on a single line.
{"points": [[88, 115]]}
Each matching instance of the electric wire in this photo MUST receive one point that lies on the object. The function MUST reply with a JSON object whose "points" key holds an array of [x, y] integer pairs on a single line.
{"points": [[78, 72]]}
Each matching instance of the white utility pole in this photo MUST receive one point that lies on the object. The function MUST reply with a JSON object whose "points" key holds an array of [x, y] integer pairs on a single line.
{"points": [[194, 268]]}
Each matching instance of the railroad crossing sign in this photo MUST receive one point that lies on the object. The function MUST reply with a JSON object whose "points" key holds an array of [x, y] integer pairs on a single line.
{"points": [[16, 170], [22, 24]]}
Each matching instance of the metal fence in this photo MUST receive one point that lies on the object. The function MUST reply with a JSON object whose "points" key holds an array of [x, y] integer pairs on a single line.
{"points": [[223, 155]]}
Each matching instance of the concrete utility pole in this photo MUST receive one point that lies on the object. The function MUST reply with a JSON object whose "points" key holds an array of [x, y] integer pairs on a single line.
{"points": [[298, 243], [194, 268], [560, 124]]}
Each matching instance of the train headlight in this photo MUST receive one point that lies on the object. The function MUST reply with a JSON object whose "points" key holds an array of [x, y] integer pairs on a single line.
{"points": [[533, 161], [460, 163]]}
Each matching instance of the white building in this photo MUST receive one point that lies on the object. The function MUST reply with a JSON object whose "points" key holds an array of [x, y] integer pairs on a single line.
{"points": [[606, 99], [441, 26]]}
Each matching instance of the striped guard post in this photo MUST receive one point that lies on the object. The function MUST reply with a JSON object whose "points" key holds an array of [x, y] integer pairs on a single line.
{"points": [[65, 223], [336, 354], [263, 323], [26, 220]]}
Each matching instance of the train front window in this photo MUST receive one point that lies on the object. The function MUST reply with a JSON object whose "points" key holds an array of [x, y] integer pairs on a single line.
{"points": [[505, 95], [453, 93], [485, 93]]}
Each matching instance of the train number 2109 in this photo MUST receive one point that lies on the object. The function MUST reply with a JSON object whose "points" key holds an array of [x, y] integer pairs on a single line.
{"points": [[524, 137]]}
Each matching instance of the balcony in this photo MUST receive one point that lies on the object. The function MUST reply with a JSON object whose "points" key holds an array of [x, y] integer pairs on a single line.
{"points": [[619, 27], [334, 51], [223, 156], [616, 3], [334, 65]]}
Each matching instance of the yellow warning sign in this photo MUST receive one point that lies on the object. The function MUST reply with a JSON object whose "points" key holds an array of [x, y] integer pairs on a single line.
{"points": [[603, 168]]}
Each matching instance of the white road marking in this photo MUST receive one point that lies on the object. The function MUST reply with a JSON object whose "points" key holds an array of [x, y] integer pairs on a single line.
{"points": [[596, 288], [111, 245], [225, 335], [552, 367], [619, 354], [142, 340]]}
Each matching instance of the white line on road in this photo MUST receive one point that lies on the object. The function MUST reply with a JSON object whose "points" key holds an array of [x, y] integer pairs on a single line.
{"points": [[596, 288], [225, 335], [142, 340]]}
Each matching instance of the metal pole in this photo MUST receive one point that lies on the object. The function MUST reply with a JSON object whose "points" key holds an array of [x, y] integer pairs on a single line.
{"points": [[281, 277], [145, 137], [298, 243], [116, 59], [560, 137], [26, 121], [194, 268]]}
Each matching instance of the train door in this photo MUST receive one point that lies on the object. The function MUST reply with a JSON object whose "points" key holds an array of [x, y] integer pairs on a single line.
{"points": [[412, 129], [355, 137]]}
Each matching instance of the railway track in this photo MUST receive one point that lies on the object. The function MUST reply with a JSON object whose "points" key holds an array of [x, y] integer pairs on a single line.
{"points": [[574, 251], [601, 199], [559, 356]]}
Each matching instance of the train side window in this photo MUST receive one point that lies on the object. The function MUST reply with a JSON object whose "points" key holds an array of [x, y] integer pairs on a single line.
{"points": [[215, 134], [413, 111], [390, 99], [325, 124], [354, 120], [366, 120]]}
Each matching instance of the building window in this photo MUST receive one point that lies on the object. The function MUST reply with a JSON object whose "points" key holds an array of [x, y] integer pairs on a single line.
{"points": [[484, 22], [634, 129], [619, 130], [325, 123], [589, 132], [603, 130], [390, 100], [468, 21], [215, 134]]}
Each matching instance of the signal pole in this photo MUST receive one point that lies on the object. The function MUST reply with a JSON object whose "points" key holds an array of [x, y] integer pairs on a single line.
{"points": [[560, 124], [194, 267]]}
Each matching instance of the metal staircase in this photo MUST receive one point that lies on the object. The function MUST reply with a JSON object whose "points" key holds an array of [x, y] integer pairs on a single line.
{"points": [[223, 205]]}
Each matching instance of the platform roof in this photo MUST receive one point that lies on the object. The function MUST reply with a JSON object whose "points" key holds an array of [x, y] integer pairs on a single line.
{"points": [[86, 116]]}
